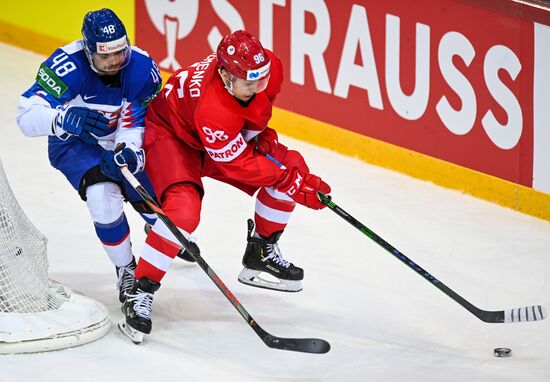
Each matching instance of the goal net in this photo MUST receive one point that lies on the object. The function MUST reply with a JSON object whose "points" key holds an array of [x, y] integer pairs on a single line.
{"points": [[37, 314]]}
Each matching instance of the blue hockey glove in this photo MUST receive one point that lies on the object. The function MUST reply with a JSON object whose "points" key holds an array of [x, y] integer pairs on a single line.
{"points": [[82, 122], [111, 161]]}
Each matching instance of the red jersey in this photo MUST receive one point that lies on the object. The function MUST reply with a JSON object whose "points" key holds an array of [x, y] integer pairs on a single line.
{"points": [[194, 107]]}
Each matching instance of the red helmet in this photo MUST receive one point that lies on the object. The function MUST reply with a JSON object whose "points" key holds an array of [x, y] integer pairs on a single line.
{"points": [[242, 55]]}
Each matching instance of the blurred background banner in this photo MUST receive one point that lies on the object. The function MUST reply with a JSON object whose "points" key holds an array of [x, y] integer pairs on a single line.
{"points": [[453, 91]]}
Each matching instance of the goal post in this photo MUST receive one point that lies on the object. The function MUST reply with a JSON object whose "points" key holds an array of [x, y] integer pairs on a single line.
{"points": [[37, 314]]}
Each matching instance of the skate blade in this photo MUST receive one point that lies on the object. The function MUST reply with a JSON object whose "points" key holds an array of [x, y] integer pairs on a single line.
{"points": [[252, 277], [134, 335]]}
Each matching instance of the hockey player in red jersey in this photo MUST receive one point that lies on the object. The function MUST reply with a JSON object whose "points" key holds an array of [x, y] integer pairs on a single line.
{"points": [[211, 120]]}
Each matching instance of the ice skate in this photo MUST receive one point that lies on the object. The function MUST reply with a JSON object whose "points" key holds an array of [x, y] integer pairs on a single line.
{"points": [[137, 309], [134, 335], [125, 279], [262, 255]]}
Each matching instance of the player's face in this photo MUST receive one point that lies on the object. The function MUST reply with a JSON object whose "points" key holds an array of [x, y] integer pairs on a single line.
{"points": [[109, 63], [244, 90]]}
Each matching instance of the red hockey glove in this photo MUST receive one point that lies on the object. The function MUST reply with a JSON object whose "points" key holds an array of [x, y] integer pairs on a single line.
{"points": [[302, 187], [267, 143]]}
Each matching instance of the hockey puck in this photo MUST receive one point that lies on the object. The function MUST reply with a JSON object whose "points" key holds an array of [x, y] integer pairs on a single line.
{"points": [[502, 352]]}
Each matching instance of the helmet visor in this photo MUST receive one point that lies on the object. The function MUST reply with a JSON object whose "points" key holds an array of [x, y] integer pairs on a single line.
{"points": [[111, 62], [249, 87], [255, 82], [109, 57]]}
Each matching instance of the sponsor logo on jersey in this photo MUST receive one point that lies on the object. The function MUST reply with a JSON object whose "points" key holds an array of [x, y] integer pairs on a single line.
{"points": [[212, 136], [231, 151], [50, 82]]}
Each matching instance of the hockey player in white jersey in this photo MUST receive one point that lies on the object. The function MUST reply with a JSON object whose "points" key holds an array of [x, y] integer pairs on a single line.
{"points": [[89, 98]]}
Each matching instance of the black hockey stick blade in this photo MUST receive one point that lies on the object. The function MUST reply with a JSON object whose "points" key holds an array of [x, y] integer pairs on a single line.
{"points": [[529, 313], [303, 345]]}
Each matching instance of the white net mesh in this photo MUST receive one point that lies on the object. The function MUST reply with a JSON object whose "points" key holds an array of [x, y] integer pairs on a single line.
{"points": [[23, 259], [37, 314]]}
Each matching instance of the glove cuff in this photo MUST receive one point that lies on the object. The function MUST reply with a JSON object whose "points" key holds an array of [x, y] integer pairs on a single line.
{"points": [[130, 158], [140, 154], [57, 130]]}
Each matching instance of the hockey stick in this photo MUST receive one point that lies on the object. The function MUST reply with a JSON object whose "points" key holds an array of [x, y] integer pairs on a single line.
{"points": [[304, 345], [529, 313]]}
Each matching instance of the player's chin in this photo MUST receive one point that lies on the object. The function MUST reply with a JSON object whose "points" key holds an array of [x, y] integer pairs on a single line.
{"points": [[109, 71], [246, 98]]}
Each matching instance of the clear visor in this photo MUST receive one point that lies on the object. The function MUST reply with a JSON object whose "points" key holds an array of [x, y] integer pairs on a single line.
{"points": [[110, 62], [248, 86], [110, 57]]}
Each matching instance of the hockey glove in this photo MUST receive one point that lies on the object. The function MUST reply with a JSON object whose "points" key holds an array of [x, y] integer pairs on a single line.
{"points": [[111, 161], [80, 121], [302, 187], [267, 143]]}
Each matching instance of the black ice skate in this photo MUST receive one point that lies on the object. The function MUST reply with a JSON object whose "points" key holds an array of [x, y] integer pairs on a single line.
{"points": [[125, 279], [264, 255], [137, 309]]}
